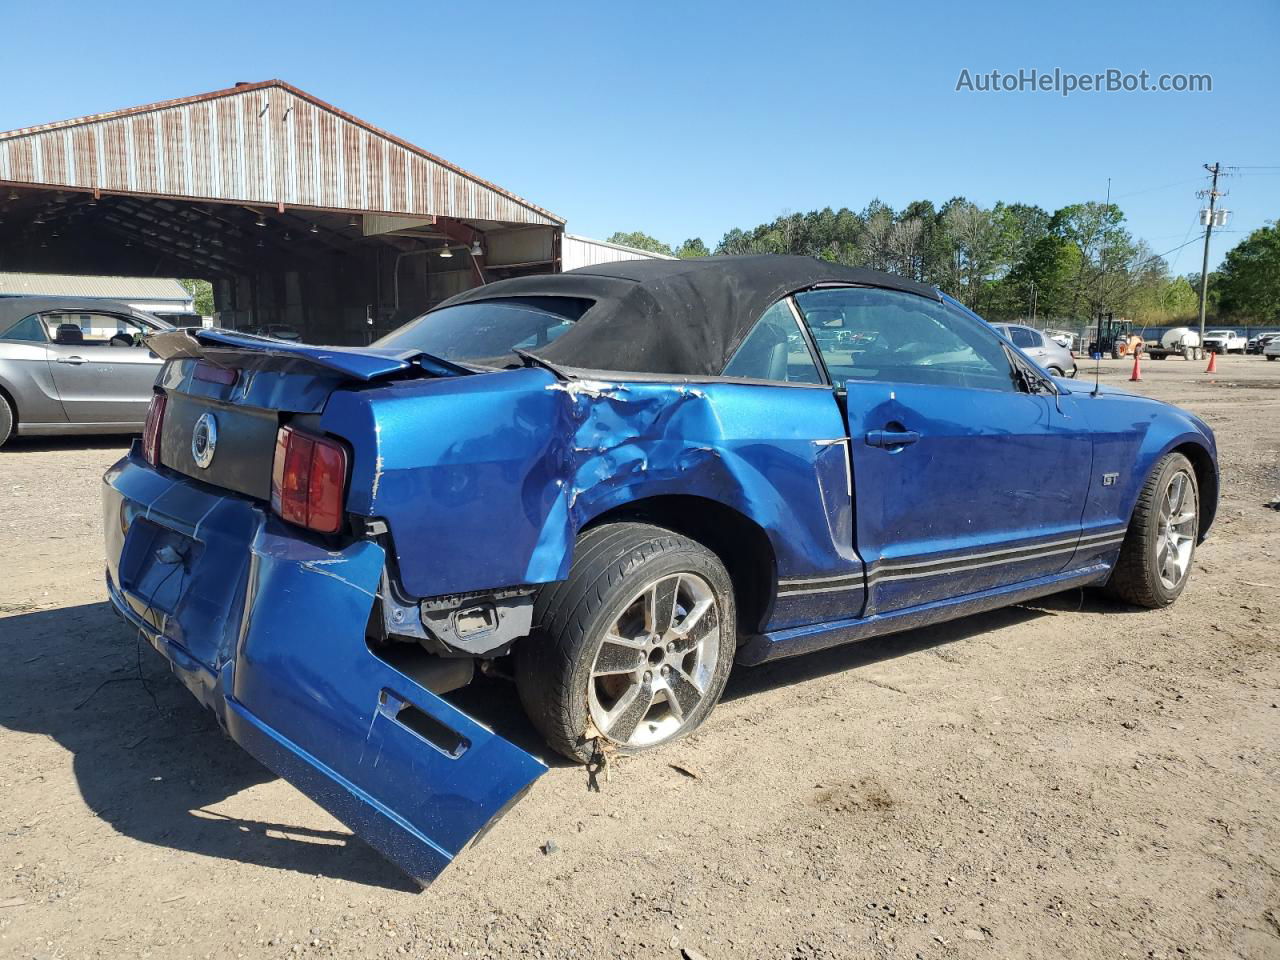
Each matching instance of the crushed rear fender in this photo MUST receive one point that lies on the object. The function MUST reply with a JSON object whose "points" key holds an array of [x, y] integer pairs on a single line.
{"points": [[279, 654]]}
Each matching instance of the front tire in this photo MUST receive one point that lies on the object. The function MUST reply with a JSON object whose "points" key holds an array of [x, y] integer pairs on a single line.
{"points": [[633, 648], [1155, 558]]}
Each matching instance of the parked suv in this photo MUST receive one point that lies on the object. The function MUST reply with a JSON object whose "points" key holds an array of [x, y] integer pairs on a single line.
{"points": [[1043, 349]]}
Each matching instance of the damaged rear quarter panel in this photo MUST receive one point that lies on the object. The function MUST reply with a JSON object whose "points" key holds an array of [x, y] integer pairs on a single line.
{"points": [[486, 480]]}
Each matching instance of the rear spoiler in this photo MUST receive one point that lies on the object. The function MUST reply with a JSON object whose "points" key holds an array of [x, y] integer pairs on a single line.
{"points": [[225, 348]]}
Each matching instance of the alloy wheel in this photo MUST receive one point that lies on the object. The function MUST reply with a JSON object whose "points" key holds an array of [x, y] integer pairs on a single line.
{"points": [[1175, 539], [656, 662]]}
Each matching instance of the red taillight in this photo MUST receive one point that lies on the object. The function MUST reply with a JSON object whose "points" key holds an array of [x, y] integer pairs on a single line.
{"points": [[309, 480], [151, 430]]}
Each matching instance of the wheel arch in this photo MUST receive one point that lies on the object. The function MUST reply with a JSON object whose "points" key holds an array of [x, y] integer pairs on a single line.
{"points": [[1206, 481], [7, 395], [741, 544]]}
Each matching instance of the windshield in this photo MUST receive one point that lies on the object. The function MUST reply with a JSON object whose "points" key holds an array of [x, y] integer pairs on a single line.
{"points": [[488, 332]]}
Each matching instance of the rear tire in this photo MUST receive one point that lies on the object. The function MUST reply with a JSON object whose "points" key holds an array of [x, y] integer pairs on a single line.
{"points": [[6, 420], [1055, 372], [1156, 556], [664, 604]]}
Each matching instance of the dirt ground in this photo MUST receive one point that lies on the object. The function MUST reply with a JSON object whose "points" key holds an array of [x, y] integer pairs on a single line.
{"points": [[1066, 778]]}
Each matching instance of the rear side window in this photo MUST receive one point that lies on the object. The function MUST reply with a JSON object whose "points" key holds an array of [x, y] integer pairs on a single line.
{"points": [[774, 350], [1024, 337], [887, 336], [29, 328], [488, 331]]}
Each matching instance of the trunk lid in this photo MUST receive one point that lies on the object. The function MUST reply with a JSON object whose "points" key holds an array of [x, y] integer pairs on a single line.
{"points": [[248, 385]]}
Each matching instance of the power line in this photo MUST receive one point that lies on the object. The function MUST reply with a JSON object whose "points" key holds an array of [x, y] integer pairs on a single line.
{"points": [[1166, 186]]}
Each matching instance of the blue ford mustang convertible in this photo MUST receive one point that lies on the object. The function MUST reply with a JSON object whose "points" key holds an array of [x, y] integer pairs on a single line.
{"points": [[612, 484]]}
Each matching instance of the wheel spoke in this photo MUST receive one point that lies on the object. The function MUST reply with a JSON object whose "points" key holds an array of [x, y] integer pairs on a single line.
{"points": [[701, 622], [622, 720], [616, 657], [683, 694], [660, 605], [1178, 492]]}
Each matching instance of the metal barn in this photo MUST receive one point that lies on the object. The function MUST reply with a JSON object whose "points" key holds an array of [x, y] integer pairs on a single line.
{"points": [[299, 213]]}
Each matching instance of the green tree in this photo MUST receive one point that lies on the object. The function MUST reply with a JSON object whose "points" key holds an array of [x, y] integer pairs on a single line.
{"points": [[202, 292], [1249, 283], [693, 247], [641, 241]]}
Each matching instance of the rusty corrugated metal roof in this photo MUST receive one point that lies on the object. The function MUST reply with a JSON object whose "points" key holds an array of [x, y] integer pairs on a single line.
{"points": [[263, 143]]}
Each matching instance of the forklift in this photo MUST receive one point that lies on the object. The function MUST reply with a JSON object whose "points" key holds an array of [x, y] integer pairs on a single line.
{"points": [[1114, 337]]}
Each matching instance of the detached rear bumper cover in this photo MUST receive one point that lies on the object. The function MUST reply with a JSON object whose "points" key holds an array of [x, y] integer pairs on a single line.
{"points": [[267, 629]]}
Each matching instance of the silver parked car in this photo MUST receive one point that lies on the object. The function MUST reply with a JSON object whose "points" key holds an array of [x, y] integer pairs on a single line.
{"points": [[1044, 350], [74, 365]]}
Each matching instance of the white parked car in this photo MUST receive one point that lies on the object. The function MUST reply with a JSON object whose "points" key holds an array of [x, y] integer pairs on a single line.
{"points": [[1272, 350]]}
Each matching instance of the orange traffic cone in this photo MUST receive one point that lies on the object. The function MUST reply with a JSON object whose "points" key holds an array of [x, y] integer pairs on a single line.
{"points": [[1137, 369], [1213, 362]]}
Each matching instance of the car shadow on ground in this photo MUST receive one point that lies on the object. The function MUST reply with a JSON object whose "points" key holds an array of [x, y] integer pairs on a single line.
{"points": [[69, 442], [152, 762], [744, 682], [147, 758]]}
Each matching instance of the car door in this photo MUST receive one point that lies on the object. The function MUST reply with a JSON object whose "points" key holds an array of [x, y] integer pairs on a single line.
{"points": [[968, 472], [26, 374], [104, 374]]}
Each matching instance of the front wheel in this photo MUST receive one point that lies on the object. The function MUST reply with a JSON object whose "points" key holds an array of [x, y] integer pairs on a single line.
{"points": [[1155, 558], [633, 648]]}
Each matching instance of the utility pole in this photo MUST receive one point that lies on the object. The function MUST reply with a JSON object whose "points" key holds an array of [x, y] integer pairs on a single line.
{"points": [[1213, 195]]}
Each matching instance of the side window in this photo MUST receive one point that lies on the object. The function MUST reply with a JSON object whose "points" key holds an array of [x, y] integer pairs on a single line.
{"points": [[1024, 337], [95, 329], [774, 350], [866, 333], [29, 328]]}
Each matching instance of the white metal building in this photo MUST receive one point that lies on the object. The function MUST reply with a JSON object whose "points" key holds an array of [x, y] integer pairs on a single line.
{"points": [[162, 296], [576, 251]]}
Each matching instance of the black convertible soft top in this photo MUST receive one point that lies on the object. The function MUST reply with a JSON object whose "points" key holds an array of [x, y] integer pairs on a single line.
{"points": [[675, 317]]}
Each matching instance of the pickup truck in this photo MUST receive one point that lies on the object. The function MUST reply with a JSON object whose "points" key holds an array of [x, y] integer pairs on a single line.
{"points": [[1224, 341]]}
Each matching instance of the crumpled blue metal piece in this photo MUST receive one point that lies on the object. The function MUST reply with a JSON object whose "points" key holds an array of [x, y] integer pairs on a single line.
{"points": [[267, 629]]}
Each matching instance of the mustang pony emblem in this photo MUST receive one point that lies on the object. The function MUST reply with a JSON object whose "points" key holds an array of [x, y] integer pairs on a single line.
{"points": [[204, 440]]}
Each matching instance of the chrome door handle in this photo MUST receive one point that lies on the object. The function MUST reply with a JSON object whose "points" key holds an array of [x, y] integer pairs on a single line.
{"points": [[891, 438], [76, 360]]}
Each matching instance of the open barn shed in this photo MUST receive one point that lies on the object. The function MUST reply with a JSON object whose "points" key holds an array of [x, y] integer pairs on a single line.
{"points": [[297, 212]]}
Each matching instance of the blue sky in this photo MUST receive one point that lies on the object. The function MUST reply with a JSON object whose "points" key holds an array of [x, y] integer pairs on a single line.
{"points": [[687, 119]]}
